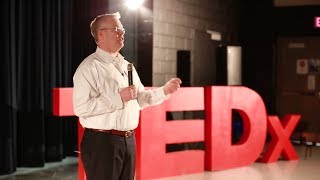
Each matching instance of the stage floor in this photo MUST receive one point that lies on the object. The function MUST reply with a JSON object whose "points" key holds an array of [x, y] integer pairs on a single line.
{"points": [[302, 169]]}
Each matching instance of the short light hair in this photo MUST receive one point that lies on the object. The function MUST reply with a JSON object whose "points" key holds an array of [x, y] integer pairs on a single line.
{"points": [[96, 24]]}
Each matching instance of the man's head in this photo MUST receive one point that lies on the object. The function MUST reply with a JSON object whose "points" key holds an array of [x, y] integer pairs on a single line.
{"points": [[108, 32]]}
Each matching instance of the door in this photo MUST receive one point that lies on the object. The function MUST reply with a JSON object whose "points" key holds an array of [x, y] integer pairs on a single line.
{"points": [[298, 80]]}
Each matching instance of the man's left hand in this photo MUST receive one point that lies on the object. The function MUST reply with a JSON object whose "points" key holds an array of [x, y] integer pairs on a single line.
{"points": [[172, 86]]}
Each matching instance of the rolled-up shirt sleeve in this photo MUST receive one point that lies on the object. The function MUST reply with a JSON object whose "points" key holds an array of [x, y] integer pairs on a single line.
{"points": [[87, 100], [149, 97]]}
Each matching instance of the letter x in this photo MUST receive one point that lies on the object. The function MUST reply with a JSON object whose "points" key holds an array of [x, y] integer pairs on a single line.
{"points": [[280, 138]]}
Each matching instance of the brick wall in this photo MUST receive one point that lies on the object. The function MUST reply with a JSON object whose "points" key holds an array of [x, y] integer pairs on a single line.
{"points": [[182, 25]]}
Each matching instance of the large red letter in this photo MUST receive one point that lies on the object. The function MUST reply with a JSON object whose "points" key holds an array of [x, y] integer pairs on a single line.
{"points": [[280, 138], [220, 153], [154, 132], [63, 106]]}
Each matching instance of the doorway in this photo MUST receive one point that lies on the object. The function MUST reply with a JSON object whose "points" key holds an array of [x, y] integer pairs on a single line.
{"points": [[298, 80]]}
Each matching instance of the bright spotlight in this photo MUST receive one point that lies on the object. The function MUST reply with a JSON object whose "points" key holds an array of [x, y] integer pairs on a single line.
{"points": [[134, 4]]}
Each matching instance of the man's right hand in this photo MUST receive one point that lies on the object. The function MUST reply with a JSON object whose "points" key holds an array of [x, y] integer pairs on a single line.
{"points": [[128, 93]]}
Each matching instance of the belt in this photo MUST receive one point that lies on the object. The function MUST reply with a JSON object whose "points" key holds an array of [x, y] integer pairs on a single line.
{"points": [[114, 132]]}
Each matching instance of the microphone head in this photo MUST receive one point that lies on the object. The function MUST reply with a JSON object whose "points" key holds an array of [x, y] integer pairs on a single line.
{"points": [[130, 67]]}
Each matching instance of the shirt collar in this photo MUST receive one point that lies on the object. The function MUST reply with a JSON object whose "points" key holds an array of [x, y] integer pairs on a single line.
{"points": [[105, 56]]}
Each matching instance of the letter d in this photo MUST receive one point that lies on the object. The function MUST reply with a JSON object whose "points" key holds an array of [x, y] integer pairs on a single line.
{"points": [[220, 153]]}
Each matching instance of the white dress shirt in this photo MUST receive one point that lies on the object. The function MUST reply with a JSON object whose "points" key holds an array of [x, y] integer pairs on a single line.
{"points": [[96, 99]]}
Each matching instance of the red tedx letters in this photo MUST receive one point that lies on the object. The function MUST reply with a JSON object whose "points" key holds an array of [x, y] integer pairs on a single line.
{"points": [[155, 132]]}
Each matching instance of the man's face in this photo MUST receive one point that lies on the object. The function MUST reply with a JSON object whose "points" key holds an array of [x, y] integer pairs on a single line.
{"points": [[111, 35]]}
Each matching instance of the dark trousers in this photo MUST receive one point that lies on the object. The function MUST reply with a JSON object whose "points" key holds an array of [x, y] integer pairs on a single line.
{"points": [[108, 157]]}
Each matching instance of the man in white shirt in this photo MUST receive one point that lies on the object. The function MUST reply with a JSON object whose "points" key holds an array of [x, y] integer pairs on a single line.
{"points": [[108, 108]]}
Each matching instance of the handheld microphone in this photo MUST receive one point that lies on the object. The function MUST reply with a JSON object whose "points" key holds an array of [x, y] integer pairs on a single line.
{"points": [[130, 80]]}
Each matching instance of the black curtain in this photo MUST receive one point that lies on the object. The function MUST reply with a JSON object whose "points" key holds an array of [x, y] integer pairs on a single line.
{"points": [[37, 54]]}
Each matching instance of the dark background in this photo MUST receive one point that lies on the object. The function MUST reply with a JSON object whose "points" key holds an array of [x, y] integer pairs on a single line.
{"points": [[44, 41]]}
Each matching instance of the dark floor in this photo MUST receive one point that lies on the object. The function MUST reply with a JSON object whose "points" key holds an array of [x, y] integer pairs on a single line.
{"points": [[65, 170]]}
